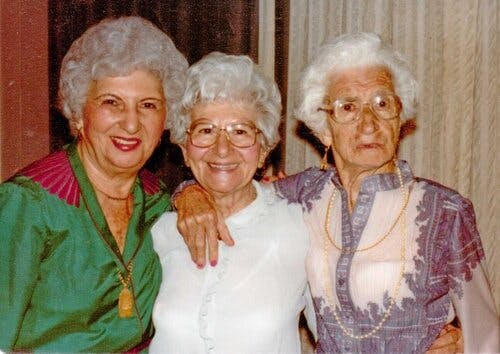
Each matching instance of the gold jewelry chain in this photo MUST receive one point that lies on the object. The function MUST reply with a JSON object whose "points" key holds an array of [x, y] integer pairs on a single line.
{"points": [[329, 290], [405, 196], [126, 281], [112, 197]]}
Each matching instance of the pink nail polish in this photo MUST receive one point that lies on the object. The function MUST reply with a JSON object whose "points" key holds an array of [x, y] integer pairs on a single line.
{"points": [[213, 263], [200, 265]]}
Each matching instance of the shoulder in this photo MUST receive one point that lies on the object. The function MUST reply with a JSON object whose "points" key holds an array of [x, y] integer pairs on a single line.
{"points": [[304, 187], [151, 183], [312, 178], [156, 195], [436, 192], [52, 174]]}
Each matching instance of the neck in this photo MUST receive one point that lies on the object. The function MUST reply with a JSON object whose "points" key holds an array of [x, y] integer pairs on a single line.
{"points": [[230, 204], [116, 186], [352, 178]]}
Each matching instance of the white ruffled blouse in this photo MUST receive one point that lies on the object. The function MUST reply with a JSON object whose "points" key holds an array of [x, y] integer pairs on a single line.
{"points": [[251, 300]]}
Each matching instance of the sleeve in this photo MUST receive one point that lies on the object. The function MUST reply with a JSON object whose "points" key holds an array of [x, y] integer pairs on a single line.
{"points": [[470, 290], [20, 253], [298, 188]]}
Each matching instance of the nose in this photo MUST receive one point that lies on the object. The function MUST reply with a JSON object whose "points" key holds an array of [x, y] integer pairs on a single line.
{"points": [[222, 144], [368, 122], [130, 121]]}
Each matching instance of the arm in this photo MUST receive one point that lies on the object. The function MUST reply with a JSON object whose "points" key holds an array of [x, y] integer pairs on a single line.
{"points": [[20, 255], [200, 223], [470, 291]]}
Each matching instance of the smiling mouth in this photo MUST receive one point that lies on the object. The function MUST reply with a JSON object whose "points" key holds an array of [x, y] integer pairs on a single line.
{"points": [[223, 167], [125, 144]]}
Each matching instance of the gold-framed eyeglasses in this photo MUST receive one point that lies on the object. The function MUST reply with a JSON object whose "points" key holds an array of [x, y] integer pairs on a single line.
{"points": [[204, 134], [348, 109]]}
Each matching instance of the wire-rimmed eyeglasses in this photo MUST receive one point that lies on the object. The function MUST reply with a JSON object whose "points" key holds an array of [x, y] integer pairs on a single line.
{"points": [[204, 134], [348, 109]]}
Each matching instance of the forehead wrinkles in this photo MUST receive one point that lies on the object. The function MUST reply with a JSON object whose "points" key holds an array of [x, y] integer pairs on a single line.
{"points": [[360, 81]]}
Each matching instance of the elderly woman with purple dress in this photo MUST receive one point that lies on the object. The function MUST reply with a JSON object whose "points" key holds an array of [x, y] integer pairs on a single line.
{"points": [[393, 258]]}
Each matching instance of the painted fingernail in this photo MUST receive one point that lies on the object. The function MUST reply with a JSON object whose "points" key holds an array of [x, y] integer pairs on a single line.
{"points": [[200, 265], [213, 263]]}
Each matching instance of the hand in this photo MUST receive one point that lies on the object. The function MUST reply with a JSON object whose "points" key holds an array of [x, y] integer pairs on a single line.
{"points": [[450, 340], [270, 179], [199, 223]]}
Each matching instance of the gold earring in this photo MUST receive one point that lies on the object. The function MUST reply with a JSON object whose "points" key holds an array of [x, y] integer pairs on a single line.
{"points": [[324, 161]]}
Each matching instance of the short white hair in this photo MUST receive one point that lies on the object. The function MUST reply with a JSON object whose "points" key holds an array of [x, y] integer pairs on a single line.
{"points": [[117, 47], [345, 52], [219, 77]]}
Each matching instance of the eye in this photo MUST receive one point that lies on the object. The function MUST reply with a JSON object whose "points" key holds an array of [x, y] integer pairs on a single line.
{"points": [[240, 132], [349, 107], [149, 105], [382, 103], [110, 102], [203, 129], [152, 104], [241, 129]]}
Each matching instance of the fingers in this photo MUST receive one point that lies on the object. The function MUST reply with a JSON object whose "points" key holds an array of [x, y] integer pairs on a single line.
{"points": [[201, 224], [222, 231], [448, 341], [281, 174], [213, 247]]}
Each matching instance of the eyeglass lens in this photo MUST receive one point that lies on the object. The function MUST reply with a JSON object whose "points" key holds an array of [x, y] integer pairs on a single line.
{"points": [[239, 134], [348, 109]]}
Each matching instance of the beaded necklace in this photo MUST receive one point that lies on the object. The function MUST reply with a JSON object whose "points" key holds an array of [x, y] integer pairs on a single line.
{"points": [[329, 240]]}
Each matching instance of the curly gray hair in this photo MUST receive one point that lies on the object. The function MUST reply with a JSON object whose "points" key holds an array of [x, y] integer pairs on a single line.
{"points": [[348, 51], [222, 77], [117, 47]]}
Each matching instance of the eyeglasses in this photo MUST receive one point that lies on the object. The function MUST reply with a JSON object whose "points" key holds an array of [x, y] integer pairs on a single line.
{"points": [[347, 109], [239, 134]]}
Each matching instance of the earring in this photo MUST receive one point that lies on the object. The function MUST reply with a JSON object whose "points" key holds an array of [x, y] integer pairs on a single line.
{"points": [[324, 161]]}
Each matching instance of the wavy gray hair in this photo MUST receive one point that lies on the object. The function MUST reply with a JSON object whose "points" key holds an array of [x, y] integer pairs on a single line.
{"points": [[117, 47], [222, 77], [348, 51]]}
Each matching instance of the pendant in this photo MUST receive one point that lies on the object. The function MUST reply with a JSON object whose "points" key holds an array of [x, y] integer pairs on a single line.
{"points": [[125, 303]]}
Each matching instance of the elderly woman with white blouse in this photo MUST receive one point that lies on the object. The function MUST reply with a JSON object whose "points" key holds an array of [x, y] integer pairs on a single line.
{"points": [[250, 302], [393, 258]]}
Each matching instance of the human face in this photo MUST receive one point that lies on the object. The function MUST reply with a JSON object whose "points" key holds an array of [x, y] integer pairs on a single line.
{"points": [[123, 119], [368, 144], [223, 169]]}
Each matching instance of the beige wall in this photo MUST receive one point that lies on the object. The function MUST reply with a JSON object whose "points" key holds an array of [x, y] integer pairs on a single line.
{"points": [[24, 107]]}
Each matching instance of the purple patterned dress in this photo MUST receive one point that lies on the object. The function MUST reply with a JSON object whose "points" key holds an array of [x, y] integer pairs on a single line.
{"points": [[427, 260]]}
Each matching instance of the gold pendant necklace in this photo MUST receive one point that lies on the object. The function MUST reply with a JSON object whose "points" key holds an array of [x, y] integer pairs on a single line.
{"points": [[327, 240], [126, 298]]}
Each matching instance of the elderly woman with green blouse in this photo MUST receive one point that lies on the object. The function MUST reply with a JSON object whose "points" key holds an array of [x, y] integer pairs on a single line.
{"points": [[78, 272]]}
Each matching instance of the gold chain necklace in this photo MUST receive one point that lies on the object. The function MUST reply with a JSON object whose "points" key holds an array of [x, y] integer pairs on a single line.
{"points": [[126, 299], [405, 196], [329, 290]]}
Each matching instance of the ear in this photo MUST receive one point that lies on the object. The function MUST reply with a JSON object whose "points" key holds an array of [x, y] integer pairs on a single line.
{"points": [[326, 137], [184, 154]]}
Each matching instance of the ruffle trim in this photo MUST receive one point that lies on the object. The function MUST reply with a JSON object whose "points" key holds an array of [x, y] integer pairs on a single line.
{"points": [[265, 197]]}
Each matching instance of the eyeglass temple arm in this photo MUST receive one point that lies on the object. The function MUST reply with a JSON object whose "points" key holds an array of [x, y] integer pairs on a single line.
{"points": [[327, 110]]}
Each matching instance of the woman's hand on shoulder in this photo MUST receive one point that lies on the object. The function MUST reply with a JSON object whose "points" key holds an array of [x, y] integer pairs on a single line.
{"points": [[450, 340], [200, 223], [272, 178]]}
